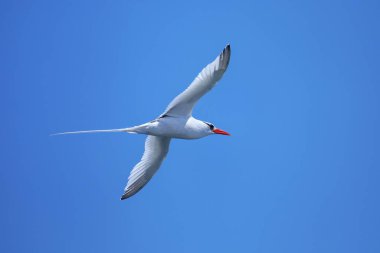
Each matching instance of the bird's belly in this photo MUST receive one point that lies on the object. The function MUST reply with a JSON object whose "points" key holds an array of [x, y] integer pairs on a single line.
{"points": [[176, 133], [179, 131]]}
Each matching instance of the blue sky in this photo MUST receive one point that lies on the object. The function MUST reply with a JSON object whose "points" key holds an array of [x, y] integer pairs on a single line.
{"points": [[300, 172]]}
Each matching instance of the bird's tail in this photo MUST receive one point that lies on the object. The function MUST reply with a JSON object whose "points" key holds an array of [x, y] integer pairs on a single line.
{"points": [[131, 130]]}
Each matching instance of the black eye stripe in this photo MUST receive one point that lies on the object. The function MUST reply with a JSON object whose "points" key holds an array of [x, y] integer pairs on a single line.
{"points": [[210, 125]]}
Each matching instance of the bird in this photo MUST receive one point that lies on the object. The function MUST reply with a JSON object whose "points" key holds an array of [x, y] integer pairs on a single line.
{"points": [[175, 122]]}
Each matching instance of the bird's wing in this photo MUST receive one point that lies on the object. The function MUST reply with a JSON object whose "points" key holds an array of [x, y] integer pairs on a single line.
{"points": [[156, 148], [183, 104]]}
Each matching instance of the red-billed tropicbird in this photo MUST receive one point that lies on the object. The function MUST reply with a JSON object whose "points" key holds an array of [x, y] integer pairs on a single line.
{"points": [[176, 122]]}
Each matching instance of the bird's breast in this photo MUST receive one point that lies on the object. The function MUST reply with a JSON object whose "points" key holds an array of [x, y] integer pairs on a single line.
{"points": [[181, 128]]}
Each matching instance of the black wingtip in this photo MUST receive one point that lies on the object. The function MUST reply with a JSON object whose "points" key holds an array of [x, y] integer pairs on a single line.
{"points": [[225, 57], [227, 49], [124, 197]]}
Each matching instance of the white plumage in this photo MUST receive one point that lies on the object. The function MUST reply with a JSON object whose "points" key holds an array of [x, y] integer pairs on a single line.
{"points": [[175, 122], [183, 104], [156, 148]]}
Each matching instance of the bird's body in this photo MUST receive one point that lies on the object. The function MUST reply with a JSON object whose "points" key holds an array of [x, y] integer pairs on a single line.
{"points": [[176, 122], [173, 127]]}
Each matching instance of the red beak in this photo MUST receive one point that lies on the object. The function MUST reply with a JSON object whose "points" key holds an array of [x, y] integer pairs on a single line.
{"points": [[220, 131]]}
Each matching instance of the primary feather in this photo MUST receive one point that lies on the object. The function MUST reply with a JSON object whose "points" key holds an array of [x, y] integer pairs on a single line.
{"points": [[156, 148], [184, 103]]}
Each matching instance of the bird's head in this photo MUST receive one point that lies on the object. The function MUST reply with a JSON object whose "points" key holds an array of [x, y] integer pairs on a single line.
{"points": [[214, 130]]}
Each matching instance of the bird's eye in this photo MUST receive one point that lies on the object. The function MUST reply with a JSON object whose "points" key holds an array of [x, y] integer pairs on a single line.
{"points": [[210, 125]]}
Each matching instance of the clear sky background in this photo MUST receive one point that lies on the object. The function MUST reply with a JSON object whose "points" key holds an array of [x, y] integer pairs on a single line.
{"points": [[300, 172]]}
